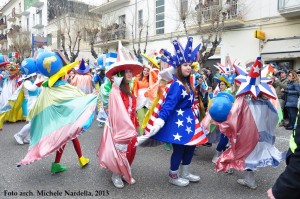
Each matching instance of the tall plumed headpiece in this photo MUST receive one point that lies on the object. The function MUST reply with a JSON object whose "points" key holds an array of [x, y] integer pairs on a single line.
{"points": [[187, 55]]}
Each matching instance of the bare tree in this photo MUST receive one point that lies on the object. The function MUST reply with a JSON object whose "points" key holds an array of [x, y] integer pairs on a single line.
{"points": [[21, 42], [68, 16], [91, 26], [137, 39], [210, 16]]}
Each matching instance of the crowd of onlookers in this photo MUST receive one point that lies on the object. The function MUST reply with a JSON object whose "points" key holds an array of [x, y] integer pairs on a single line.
{"points": [[287, 86]]}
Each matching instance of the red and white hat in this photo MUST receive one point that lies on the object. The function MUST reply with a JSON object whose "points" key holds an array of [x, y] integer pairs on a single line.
{"points": [[125, 60]]}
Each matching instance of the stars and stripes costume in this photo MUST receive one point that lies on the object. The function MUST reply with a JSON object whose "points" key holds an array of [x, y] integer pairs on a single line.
{"points": [[176, 120], [180, 120]]}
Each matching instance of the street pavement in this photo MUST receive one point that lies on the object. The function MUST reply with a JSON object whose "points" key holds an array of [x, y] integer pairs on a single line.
{"points": [[150, 170]]}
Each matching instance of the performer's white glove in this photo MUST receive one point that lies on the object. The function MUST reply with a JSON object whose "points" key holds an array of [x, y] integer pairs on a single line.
{"points": [[121, 147], [158, 124]]}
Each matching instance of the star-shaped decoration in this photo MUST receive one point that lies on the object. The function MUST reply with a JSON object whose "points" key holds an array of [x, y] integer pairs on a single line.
{"points": [[179, 123], [180, 112], [189, 119], [178, 51], [174, 62], [188, 129], [256, 69], [177, 137], [191, 97], [189, 55], [190, 47], [184, 93], [181, 58], [175, 42]]}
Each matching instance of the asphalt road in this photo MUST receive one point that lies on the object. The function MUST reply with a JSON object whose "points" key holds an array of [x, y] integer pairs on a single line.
{"points": [[150, 169]]}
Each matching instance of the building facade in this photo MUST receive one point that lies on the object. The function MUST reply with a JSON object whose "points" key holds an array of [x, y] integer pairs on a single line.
{"points": [[160, 20]]}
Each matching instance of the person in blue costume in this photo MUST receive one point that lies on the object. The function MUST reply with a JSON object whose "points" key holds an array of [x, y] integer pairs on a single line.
{"points": [[176, 121]]}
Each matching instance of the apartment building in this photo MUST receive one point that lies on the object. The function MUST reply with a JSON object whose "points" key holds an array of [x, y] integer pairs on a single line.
{"points": [[278, 20]]}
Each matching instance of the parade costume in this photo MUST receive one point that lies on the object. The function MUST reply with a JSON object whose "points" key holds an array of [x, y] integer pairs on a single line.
{"points": [[54, 109], [104, 62], [117, 146], [83, 79], [31, 91], [176, 121], [10, 101], [250, 127]]}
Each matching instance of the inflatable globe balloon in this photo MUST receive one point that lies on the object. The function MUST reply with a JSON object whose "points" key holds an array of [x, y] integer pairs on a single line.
{"points": [[2, 58], [48, 63], [100, 61], [28, 66], [220, 108]]}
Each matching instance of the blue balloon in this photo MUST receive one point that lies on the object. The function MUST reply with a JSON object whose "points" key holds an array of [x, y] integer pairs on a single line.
{"points": [[2, 59], [48, 63], [28, 66], [220, 108]]}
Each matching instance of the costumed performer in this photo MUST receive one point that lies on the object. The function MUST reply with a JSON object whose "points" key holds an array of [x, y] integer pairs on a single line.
{"points": [[250, 128], [31, 90], [117, 145], [54, 120], [176, 121], [10, 106], [83, 79]]}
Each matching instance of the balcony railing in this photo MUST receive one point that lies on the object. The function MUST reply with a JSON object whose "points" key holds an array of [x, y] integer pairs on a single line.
{"points": [[111, 35], [11, 17], [230, 12], [289, 8]]}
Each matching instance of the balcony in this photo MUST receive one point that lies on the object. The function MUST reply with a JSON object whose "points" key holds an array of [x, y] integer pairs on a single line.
{"points": [[38, 3], [111, 35], [38, 26], [289, 8], [18, 13], [11, 17], [206, 14], [107, 5], [25, 13]]}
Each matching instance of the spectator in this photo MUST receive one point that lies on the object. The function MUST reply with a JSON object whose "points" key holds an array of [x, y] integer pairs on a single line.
{"points": [[292, 92], [279, 84]]}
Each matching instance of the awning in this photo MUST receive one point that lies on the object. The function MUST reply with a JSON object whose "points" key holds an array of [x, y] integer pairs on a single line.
{"points": [[288, 48]]}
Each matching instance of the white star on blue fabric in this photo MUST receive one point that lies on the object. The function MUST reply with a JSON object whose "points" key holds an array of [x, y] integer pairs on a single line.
{"points": [[178, 51], [181, 58], [191, 97], [184, 93], [177, 137], [188, 129], [189, 119], [179, 123], [180, 112]]}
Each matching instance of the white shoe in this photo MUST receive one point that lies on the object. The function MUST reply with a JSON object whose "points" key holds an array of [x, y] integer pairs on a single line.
{"points": [[176, 180], [26, 140], [117, 180], [185, 173], [18, 139], [216, 156], [249, 180]]}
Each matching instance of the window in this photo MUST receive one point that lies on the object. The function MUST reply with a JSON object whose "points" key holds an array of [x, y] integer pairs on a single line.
{"points": [[140, 18], [33, 19], [27, 24], [160, 16], [40, 17], [183, 6]]}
